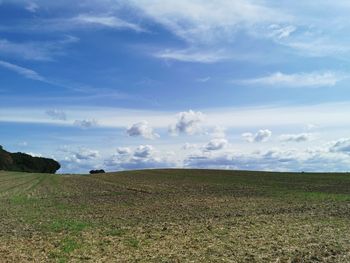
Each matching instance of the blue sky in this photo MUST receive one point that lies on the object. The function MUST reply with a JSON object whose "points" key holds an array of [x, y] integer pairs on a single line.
{"points": [[134, 84]]}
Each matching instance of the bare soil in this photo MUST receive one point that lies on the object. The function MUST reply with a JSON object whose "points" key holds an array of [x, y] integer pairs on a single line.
{"points": [[175, 216]]}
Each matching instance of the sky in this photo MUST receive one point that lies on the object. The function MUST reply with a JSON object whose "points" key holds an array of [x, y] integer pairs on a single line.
{"points": [[119, 85]]}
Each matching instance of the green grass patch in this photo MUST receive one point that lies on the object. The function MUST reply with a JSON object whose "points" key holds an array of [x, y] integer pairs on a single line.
{"points": [[321, 196], [69, 225], [132, 242], [65, 248], [69, 245], [309, 196], [22, 200]]}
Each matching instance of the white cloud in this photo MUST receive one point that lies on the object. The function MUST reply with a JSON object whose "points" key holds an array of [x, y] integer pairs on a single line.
{"points": [[302, 137], [123, 150], [122, 155], [203, 80], [311, 126], [210, 28], [260, 136], [325, 157], [34, 154], [218, 132], [86, 154], [216, 144], [81, 21], [25, 72], [342, 146], [86, 123], [272, 160], [282, 31], [217, 23], [142, 129], [318, 46], [189, 146], [81, 153], [190, 55], [188, 122], [57, 114], [208, 21], [104, 20], [143, 157], [78, 160], [32, 7], [314, 79], [36, 50], [325, 115], [144, 151]]}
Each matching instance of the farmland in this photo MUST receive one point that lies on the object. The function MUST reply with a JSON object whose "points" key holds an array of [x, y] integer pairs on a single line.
{"points": [[175, 215]]}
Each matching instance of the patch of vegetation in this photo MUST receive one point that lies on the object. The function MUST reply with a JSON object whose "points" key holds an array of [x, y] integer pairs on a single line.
{"points": [[65, 248], [22, 162], [68, 225], [325, 196], [132, 242], [22, 200], [68, 245], [311, 196]]}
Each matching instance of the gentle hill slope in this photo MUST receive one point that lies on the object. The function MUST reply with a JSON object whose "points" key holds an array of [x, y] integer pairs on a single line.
{"points": [[175, 216]]}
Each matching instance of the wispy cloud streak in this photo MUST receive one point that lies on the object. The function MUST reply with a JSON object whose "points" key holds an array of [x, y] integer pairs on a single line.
{"points": [[25, 72]]}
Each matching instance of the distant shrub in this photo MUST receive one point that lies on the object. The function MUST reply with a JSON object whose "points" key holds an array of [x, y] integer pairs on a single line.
{"points": [[97, 171]]}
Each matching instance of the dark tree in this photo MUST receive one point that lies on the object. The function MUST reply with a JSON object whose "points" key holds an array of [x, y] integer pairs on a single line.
{"points": [[97, 171], [22, 162]]}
